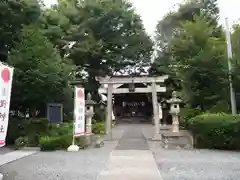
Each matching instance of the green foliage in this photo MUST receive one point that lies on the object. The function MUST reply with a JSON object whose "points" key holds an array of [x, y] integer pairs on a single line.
{"points": [[100, 115], [192, 51], [196, 60], [216, 131], [20, 142], [105, 36], [187, 11], [51, 143], [31, 129], [37, 132], [13, 15], [39, 72], [220, 106], [187, 113], [98, 127]]}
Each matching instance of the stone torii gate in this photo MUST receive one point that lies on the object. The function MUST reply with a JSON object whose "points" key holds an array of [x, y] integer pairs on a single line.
{"points": [[109, 86]]}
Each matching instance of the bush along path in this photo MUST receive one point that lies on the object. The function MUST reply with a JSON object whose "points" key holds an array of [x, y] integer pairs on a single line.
{"points": [[38, 133], [215, 131]]}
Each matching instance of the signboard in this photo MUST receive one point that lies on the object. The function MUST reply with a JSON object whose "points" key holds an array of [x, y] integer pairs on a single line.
{"points": [[79, 111], [55, 113], [6, 74]]}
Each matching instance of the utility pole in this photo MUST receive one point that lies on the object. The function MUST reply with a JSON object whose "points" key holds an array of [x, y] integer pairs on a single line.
{"points": [[229, 53]]}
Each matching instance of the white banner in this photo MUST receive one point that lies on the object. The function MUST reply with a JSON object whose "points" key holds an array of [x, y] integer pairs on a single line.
{"points": [[6, 73], [79, 111]]}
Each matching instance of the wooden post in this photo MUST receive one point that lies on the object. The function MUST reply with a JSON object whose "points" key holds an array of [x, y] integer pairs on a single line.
{"points": [[156, 136], [109, 112]]}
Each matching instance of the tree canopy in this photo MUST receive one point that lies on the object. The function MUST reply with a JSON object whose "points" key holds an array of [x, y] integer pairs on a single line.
{"points": [[48, 47], [82, 39], [192, 50]]}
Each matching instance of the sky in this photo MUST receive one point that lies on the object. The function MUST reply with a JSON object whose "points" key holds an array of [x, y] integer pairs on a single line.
{"points": [[152, 11]]}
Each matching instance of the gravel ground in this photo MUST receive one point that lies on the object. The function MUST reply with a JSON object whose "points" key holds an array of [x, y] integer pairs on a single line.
{"points": [[82, 165], [4, 150], [198, 164], [87, 164], [61, 165]]}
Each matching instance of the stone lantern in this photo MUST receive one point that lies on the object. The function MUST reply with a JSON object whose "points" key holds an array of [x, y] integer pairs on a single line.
{"points": [[174, 111], [89, 113]]}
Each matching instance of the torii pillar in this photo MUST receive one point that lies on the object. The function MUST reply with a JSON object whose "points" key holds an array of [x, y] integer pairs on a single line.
{"points": [[109, 112], [157, 135]]}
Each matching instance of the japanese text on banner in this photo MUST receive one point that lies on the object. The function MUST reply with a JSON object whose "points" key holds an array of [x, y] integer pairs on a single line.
{"points": [[79, 111], [5, 97]]}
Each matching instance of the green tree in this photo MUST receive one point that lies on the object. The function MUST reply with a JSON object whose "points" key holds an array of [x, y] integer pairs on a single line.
{"points": [[106, 36], [40, 75], [13, 15], [187, 11]]}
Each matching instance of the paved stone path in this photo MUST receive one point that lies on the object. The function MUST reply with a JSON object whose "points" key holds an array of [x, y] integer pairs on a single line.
{"points": [[131, 165], [132, 159], [14, 155], [133, 139]]}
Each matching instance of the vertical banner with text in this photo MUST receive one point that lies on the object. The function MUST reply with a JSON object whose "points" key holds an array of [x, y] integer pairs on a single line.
{"points": [[6, 73], [79, 111]]}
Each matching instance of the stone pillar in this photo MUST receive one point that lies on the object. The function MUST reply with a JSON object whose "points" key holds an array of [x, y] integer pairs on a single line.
{"points": [[89, 113], [109, 112], [164, 111], [175, 123], [156, 135], [160, 113]]}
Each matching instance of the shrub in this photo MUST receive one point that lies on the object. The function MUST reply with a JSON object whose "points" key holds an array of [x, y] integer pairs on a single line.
{"points": [[216, 131], [64, 141], [100, 115], [220, 106], [49, 143], [63, 129], [16, 128], [186, 114], [98, 127], [21, 142], [33, 129]]}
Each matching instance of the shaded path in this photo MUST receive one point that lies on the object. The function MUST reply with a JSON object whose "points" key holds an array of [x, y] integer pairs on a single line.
{"points": [[133, 139]]}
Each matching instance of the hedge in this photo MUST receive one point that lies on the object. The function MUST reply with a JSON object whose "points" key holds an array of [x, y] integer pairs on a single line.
{"points": [[215, 131], [49, 143], [25, 132], [98, 127], [188, 113]]}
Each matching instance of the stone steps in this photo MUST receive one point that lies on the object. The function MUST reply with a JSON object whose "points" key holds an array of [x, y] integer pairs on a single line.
{"points": [[177, 140]]}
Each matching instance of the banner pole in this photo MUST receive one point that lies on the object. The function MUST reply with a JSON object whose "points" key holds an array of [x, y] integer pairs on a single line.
{"points": [[73, 147]]}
